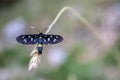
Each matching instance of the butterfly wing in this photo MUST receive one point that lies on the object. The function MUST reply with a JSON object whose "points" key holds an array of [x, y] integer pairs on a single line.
{"points": [[28, 39], [51, 39]]}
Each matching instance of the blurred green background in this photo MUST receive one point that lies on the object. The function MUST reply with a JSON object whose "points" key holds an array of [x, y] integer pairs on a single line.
{"points": [[81, 55]]}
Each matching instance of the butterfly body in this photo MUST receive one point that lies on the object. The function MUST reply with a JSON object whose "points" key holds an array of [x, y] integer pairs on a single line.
{"points": [[40, 48], [40, 44], [39, 39]]}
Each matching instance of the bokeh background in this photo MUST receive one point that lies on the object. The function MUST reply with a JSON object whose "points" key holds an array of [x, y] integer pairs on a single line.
{"points": [[81, 56]]}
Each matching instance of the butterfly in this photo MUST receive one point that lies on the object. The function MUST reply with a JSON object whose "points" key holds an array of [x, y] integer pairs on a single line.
{"points": [[39, 39]]}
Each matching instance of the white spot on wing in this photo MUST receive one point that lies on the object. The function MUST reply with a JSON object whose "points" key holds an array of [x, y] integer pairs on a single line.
{"points": [[31, 39], [51, 36], [29, 36], [23, 37], [57, 37], [44, 40], [54, 40], [34, 40], [48, 39], [25, 40]]}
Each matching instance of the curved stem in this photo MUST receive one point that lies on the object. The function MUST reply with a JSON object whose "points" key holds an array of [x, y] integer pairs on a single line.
{"points": [[90, 26], [34, 53]]}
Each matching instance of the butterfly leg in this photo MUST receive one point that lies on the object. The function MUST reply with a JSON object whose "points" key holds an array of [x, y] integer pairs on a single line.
{"points": [[40, 48]]}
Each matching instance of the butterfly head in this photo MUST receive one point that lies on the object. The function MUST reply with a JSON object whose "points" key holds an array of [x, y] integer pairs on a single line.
{"points": [[40, 34]]}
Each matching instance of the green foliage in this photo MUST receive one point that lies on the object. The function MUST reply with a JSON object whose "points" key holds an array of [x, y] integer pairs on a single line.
{"points": [[13, 55], [88, 71]]}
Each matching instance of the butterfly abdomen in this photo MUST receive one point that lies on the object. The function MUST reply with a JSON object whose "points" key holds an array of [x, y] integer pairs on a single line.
{"points": [[40, 48]]}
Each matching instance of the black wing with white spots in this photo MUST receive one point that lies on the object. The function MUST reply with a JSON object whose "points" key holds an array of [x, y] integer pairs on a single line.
{"points": [[51, 39], [28, 39]]}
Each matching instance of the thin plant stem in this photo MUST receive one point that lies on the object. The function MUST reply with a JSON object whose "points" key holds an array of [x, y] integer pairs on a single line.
{"points": [[82, 19], [34, 60]]}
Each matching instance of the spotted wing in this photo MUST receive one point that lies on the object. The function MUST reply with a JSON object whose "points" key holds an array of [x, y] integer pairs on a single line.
{"points": [[51, 39], [28, 39]]}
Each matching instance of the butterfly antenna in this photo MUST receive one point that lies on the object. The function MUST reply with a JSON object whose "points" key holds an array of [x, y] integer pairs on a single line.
{"points": [[44, 29], [34, 28]]}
